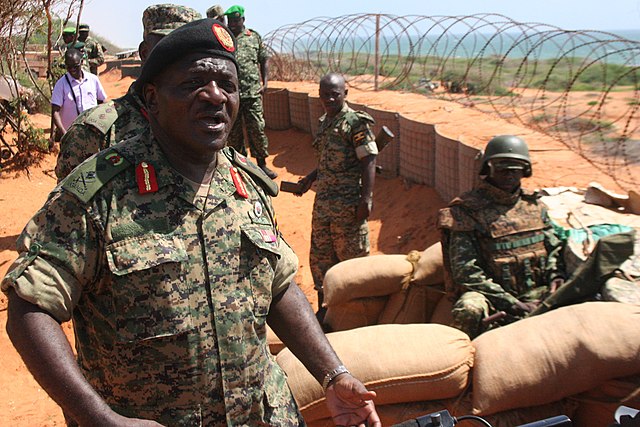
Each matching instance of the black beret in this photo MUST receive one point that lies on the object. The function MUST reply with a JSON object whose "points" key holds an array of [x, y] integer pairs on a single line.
{"points": [[204, 35]]}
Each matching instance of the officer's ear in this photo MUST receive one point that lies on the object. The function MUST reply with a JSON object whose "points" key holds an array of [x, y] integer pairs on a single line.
{"points": [[345, 92], [150, 96], [143, 50]]}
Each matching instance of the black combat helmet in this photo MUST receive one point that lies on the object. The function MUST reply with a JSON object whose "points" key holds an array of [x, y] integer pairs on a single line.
{"points": [[506, 147]]}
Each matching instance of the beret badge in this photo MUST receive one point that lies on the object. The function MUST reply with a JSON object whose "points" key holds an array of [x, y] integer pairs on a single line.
{"points": [[223, 37]]}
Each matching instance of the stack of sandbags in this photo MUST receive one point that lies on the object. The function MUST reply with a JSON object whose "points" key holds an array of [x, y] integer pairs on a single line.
{"points": [[545, 358], [356, 290], [401, 363], [384, 289]]}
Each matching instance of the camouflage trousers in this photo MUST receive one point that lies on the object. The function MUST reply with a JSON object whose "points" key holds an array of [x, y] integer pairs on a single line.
{"points": [[472, 308], [251, 118], [335, 237]]}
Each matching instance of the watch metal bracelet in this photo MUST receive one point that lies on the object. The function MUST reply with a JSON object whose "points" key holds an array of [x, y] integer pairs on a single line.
{"points": [[330, 376]]}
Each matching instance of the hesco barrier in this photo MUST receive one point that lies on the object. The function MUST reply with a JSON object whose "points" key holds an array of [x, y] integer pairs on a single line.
{"points": [[418, 153], [530, 74], [299, 109], [468, 167], [315, 112], [389, 158], [446, 170], [277, 115]]}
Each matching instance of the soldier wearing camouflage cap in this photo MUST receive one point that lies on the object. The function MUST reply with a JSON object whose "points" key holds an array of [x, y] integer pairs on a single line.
{"points": [[254, 77], [216, 12], [164, 250], [501, 253], [92, 47], [124, 117]]}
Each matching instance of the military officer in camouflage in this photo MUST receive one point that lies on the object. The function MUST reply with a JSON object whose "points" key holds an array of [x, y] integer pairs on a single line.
{"points": [[216, 12], [92, 47], [123, 117], [346, 151], [254, 77], [165, 253], [501, 253]]}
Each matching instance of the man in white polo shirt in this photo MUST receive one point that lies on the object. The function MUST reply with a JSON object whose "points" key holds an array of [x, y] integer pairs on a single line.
{"points": [[75, 92]]}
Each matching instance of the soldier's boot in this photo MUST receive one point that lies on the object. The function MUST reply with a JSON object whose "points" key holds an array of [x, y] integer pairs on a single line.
{"points": [[263, 165]]}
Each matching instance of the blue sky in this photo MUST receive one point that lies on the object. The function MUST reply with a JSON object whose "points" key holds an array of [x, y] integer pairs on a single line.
{"points": [[120, 20]]}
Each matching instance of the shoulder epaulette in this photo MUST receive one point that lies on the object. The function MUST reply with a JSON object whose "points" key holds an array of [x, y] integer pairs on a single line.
{"points": [[365, 117], [252, 169], [85, 180], [102, 117], [353, 117]]}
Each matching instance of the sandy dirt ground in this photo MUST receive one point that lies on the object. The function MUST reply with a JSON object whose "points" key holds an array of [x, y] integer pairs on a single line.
{"points": [[403, 218]]}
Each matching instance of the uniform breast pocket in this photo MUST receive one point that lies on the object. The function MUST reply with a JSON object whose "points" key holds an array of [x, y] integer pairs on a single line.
{"points": [[151, 298], [259, 259]]}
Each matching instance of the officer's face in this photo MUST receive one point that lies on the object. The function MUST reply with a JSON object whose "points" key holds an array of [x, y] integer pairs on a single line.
{"points": [[332, 96], [67, 38], [236, 23], [195, 102], [82, 35]]}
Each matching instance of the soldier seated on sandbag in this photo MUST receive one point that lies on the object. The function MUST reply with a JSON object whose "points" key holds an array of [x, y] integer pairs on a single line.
{"points": [[501, 255]]}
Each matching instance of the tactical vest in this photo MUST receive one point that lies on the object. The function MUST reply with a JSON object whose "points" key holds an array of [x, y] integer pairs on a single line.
{"points": [[510, 238]]}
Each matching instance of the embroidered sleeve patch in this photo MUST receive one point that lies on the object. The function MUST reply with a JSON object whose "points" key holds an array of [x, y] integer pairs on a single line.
{"points": [[359, 136]]}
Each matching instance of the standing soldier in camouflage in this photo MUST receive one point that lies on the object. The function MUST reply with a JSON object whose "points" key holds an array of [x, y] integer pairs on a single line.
{"points": [[92, 47], [123, 117], [254, 75], [216, 12], [501, 253], [346, 151], [165, 252]]}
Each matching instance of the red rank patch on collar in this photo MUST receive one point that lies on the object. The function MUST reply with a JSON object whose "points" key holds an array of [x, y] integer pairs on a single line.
{"points": [[241, 189], [146, 178]]}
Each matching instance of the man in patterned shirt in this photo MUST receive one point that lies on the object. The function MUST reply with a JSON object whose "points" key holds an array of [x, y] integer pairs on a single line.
{"points": [[165, 252], [254, 77], [501, 253], [346, 151], [92, 47]]}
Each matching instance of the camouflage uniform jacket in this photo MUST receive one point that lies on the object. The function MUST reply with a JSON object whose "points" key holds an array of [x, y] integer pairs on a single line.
{"points": [[94, 52], [499, 244], [101, 127], [168, 285], [339, 145], [250, 54]]}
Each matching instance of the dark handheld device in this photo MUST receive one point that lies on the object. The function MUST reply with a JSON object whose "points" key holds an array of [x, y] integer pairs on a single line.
{"points": [[291, 187], [445, 419]]}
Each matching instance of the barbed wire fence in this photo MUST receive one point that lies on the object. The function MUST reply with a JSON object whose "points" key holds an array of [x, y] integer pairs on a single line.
{"points": [[532, 74]]}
